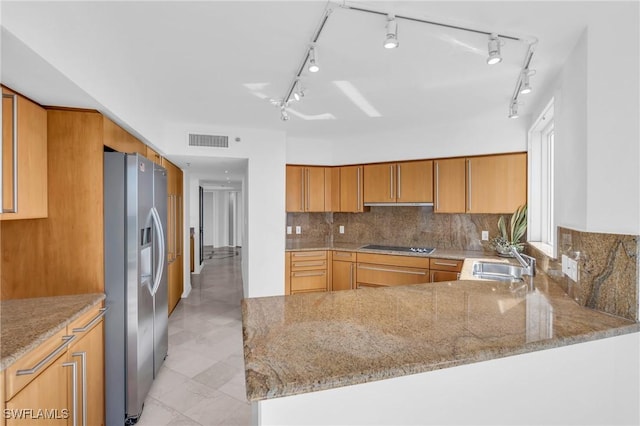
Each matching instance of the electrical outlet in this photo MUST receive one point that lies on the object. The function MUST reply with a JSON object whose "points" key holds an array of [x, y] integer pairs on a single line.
{"points": [[298, 230], [289, 230], [570, 267], [485, 235], [341, 229]]}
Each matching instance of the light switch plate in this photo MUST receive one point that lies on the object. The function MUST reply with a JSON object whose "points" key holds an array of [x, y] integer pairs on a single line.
{"points": [[485, 235], [289, 230], [341, 229], [298, 230]]}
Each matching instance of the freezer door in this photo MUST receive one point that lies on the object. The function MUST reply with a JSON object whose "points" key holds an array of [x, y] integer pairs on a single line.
{"points": [[139, 316], [161, 303]]}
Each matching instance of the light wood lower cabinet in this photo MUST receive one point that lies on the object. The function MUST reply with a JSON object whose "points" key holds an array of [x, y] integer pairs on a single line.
{"points": [[381, 270], [307, 271], [445, 269], [343, 275], [41, 386]]}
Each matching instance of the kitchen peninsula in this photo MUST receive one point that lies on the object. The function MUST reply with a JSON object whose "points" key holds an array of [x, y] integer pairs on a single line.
{"points": [[321, 358]]}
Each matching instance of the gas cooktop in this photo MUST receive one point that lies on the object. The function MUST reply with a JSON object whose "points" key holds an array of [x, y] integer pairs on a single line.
{"points": [[423, 250]]}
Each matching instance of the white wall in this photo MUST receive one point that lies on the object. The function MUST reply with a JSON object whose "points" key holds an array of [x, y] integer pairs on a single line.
{"points": [[264, 204], [597, 119], [208, 227], [595, 383]]}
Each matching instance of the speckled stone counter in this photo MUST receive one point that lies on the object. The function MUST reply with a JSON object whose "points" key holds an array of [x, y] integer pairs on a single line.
{"points": [[309, 342], [26, 323]]}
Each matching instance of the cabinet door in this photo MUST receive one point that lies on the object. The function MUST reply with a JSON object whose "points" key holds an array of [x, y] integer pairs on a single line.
{"points": [[314, 189], [332, 189], [414, 182], [438, 276], [49, 390], [351, 187], [343, 276], [496, 183], [24, 158], [88, 353], [294, 189], [379, 183], [152, 155], [449, 186]]}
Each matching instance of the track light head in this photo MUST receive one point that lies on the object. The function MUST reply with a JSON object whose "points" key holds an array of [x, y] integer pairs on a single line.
{"points": [[494, 50], [525, 86], [284, 116], [313, 60], [391, 40], [513, 110]]}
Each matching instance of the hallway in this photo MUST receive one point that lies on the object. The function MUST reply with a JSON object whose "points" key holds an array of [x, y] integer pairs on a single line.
{"points": [[202, 379]]}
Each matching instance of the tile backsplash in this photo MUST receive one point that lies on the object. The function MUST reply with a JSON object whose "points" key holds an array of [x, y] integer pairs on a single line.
{"points": [[607, 270], [398, 225]]}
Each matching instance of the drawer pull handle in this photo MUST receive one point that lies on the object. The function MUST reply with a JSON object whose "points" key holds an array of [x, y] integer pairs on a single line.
{"points": [[309, 274], [445, 264], [300, 264], [65, 342], [92, 322], [311, 254], [401, 271]]}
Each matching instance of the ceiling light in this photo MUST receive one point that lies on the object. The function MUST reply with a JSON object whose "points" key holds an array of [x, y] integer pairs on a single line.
{"points": [[313, 60], [391, 42], [513, 110], [298, 92], [494, 50], [283, 114], [525, 87]]}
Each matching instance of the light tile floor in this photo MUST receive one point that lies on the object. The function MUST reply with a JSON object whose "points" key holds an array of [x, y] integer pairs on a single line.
{"points": [[202, 379]]}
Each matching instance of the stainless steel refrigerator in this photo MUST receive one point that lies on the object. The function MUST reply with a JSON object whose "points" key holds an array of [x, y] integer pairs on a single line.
{"points": [[136, 339]]}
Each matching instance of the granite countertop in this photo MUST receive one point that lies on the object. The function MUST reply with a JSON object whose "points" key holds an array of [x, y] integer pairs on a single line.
{"points": [[438, 253], [26, 323], [315, 341]]}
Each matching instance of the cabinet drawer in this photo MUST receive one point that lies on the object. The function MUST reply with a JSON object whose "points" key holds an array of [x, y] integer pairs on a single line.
{"points": [[308, 281], [35, 362], [384, 275], [308, 255], [390, 259], [446, 264], [308, 265], [86, 322], [346, 256]]}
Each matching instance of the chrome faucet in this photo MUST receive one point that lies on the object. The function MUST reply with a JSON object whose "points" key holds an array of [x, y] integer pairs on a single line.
{"points": [[528, 263]]}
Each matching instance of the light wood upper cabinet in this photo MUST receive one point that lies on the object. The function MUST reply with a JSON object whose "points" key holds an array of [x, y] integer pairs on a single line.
{"points": [[449, 182], [406, 182], [152, 155], [351, 189], [118, 139], [496, 183], [305, 189], [24, 158]]}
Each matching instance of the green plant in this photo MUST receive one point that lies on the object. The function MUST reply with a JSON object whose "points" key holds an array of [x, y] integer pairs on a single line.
{"points": [[510, 236]]}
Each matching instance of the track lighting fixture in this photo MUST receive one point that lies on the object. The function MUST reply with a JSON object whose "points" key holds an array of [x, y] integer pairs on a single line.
{"points": [[313, 60], [513, 110], [298, 92], [494, 50], [391, 41]]}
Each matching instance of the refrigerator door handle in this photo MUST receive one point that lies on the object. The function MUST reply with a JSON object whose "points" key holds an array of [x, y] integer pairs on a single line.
{"points": [[161, 254]]}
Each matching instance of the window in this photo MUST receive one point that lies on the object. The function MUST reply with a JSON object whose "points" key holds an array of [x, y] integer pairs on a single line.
{"points": [[542, 229]]}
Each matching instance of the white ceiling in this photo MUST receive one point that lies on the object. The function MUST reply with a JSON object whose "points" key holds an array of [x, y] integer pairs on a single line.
{"points": [[151, 63]]}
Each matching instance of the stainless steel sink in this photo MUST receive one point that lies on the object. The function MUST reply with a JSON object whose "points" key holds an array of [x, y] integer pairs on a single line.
{"points": [[497, 271]]}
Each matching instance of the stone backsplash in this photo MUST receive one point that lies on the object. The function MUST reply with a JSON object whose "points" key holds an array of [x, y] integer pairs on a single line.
{"points": [[398, 225], [607, 270]]}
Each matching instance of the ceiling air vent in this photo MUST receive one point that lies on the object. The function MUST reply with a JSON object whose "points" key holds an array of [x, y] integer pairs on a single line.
{"points": [[213, 141]]}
